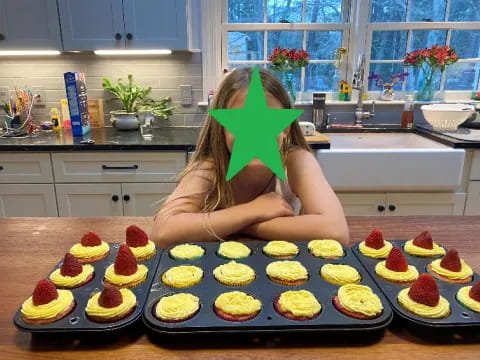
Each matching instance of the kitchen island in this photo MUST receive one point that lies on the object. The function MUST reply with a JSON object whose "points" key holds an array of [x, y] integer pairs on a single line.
{"points": [[30, 247]]}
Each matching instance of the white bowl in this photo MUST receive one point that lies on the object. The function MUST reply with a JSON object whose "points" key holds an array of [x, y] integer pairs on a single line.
{"points": [[446, 117]]}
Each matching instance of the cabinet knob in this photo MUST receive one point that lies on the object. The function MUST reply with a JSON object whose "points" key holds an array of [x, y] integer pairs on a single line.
{"points": [[1, 167], [2, 37], [126, 197], [129, 36], [392, 207], [115, 198], [381, 208], [118, 36]]}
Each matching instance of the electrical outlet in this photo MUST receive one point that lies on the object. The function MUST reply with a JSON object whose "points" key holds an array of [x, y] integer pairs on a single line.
{"points": [[186, 94], [41, 97], [4, 94]]}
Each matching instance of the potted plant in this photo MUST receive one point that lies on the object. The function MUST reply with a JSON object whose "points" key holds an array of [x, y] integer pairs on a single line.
{"points": [[159, 108]]}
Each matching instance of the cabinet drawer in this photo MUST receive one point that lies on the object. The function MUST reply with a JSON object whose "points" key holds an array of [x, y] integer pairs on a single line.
{"points": [[25, 168], [475, 169], [117, 166]]}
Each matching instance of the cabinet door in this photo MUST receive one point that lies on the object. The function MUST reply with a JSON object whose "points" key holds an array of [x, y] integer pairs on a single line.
{"points": [[89, 199], [363, 204], [92, 24], [27, 200], [29, 25], [156, 24], [144, 199], [472, 206], [406, 204]]}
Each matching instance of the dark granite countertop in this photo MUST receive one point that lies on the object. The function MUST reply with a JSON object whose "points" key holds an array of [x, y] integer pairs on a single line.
{"points": [[448, 138]]}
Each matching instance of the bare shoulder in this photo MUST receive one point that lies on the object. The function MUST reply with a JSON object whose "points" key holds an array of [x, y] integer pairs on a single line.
{"points": [[301, 160]]}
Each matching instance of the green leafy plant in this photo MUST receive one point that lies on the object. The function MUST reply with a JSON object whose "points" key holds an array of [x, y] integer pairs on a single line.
{"points": [[130, 95], [158, 108]]}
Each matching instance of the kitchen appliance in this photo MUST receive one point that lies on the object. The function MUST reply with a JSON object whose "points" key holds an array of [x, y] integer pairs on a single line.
{"points": [[318, 109], [307, 128]]}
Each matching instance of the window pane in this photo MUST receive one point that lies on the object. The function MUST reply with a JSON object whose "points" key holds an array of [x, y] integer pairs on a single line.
{"points": [[238, 66], [466, 43], [414, 77], [324, 11], [388, 11], [464, 10], [422, 39], [385, 71], [284, 39], [284, 11], [462, 76], [245, 45], [322, 44], [296, 78], [245, 11], [428, 10], [319, 77], [389, 45]]}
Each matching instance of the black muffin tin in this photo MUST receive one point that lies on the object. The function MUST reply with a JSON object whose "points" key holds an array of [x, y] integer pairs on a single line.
{"points": [[262, 288], [77, 320], [460, 315]]}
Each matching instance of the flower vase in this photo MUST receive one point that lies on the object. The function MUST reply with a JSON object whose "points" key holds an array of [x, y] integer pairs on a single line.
{"points": [[289, 82], [388, 94], [427, 85]]}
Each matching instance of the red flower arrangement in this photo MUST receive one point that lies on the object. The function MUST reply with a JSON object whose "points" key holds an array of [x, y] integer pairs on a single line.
{"points": [[288, 59]]}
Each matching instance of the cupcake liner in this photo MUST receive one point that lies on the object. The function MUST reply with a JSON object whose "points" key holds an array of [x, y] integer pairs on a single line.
{"points": [[289, 315], [47, 321], [288, 283], [234, 318], [452, 281], [233, 283], [280, 257], [356, 315], [402, 283]]}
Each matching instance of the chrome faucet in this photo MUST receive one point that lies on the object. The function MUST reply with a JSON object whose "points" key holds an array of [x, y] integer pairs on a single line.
{"points": [[358, 83]]}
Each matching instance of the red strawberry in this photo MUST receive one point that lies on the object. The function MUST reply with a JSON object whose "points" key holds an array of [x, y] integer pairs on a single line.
{"points": [[474, 292], [451, 261], [44, 292], [396, 261], [110, 297], [136, 237], [91, 239], [125, 262], [375, 239], [425, 291], [424, 240], [71, 266]]}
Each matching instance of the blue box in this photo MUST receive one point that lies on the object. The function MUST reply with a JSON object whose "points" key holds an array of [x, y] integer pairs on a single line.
{"points": [[77, 102]]}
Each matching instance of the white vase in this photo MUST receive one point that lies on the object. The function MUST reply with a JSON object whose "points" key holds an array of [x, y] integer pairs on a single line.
{"points": [[124, 121]]}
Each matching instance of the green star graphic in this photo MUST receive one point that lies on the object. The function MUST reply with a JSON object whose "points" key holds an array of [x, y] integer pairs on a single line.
{"points": [[255, 127]]}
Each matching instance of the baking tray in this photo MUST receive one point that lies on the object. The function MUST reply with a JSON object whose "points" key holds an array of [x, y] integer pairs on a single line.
{"points": [[206, 321], [77, 320], [460, 316]]}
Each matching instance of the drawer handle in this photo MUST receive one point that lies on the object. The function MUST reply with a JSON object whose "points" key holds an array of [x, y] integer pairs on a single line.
{"points": [[106, 167]]}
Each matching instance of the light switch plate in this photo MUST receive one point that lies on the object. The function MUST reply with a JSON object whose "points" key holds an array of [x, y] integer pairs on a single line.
{"points": [[186, 94], [4, 94], [41, 100]]}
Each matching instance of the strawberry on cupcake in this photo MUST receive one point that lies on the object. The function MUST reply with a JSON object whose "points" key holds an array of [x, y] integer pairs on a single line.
{"points": [[90, 249], [125, 272], [72, 273], [451, 268], [375, 246], [110, 305], [423, 246], [396, 269], [469, 296], [137, 241]]}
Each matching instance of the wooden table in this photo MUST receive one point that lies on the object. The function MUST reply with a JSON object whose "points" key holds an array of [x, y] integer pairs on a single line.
{"points": [[29, 248]]}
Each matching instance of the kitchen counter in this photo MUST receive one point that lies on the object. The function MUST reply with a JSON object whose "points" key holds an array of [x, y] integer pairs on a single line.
{"points": [[30, 247]]}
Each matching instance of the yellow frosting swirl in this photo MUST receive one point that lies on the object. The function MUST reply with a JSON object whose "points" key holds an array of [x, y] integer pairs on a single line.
{"points": [[360, 299], [85, 252], [70, 281], [299, 303], [238, 303], [234, 273], [325, 248], [375, 253], [410, 275], [182, 276], [464, 272], [95, 309], [280, 248], [465, 299], [340, 274], [187, 251], [233, 250], [50, 310], [413, 249], [121, 280], [143, 251], [177, 307], [287, 270], [441, 310]]}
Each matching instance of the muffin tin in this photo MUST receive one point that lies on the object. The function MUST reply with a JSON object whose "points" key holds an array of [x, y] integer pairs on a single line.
{"points": [[459, 316], [77, 320], [262, 288]]}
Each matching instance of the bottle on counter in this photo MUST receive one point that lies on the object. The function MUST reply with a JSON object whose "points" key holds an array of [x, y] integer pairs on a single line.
{"points": [[407, 115], [318, 109], [55, 119]]}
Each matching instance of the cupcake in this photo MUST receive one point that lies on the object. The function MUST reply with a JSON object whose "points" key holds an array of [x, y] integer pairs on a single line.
{"points": [[47, 304], [280, 249], [125, 272], [177, 308], [234, 274], [182, 276], [72, 274], [423, 246], [110, 305], [339, 274], [451, 269], [233, 250], [423, 299], [328, 249], [297, 305], [90, 249], [374, 246], [236, 306], [187, 252], [137, 241], [469, 296], [290, 273], [396, 269], [358, 301]]}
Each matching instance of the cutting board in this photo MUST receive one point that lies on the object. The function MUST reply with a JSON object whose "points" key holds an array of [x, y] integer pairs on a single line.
{"points": [[317, 138]]}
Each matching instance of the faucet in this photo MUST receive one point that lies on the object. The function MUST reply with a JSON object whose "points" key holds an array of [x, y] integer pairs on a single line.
{"points": [[358, 83]]}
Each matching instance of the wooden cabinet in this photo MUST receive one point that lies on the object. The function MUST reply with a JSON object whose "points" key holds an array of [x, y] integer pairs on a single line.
{"points": [[27, 200]]}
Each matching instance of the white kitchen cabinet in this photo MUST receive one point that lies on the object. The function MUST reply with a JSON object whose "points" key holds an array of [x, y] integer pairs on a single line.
{"points": [[472, 207], [363, 204], [144, 199], [27, 200], [475, 167], [33, 168]]}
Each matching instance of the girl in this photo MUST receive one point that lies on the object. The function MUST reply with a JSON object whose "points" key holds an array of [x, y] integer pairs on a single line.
{"points": [[205, 207]]}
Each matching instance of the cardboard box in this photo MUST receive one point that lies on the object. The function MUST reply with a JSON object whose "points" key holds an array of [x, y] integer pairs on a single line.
{"points": [[95, 109], [77, 102]]}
